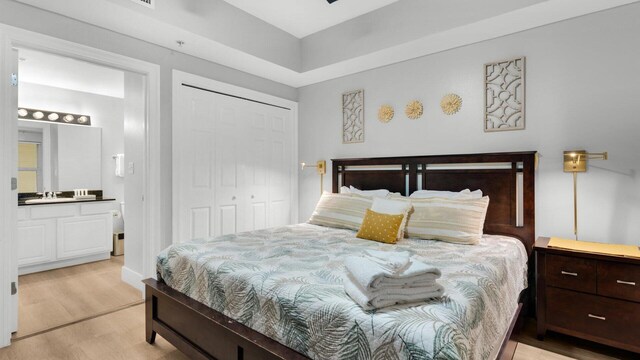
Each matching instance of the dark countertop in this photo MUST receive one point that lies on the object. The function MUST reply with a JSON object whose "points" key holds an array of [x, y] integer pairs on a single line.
{"points": [[22, 202]]}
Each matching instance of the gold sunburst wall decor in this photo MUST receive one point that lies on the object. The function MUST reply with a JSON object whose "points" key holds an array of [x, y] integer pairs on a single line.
{"points": [[385, 113], [451, 104], [414, 110]]}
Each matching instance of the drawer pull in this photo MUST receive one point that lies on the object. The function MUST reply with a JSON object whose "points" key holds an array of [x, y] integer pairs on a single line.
{"points": [[569, 273], [597, 317], [626, 282]]}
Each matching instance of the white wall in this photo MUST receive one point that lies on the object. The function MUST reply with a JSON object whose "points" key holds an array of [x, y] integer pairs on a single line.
{"points": [[107, 113], [583, 92], [134, 115]]}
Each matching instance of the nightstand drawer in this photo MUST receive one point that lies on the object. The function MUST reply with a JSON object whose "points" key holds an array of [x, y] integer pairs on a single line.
{"points": [[604, 318], [619, 280], [571, 273]]}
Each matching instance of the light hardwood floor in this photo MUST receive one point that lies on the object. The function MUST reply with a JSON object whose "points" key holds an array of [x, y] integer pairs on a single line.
{"points": [[566, 347], [53, 298], [118, 335]]}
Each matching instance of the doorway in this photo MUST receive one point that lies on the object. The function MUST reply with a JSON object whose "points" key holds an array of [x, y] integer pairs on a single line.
{"points": [[72, 117], [141, 112]]}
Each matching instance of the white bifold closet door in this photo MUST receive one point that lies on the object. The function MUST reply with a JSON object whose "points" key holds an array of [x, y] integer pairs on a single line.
{"points": [[235, 163]]}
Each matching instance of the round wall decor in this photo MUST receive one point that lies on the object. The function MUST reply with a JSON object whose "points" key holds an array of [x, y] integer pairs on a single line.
{"points": [[385, 113], [451, 104], [414, 110]]}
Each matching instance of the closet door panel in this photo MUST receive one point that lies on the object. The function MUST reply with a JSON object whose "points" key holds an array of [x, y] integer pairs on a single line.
{"points": [[280, 168], [194, 156], [228, 219], [256, 167], [228, 128]]}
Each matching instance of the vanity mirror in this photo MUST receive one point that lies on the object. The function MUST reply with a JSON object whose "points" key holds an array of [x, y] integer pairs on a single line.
{"points": [[53, 157]]}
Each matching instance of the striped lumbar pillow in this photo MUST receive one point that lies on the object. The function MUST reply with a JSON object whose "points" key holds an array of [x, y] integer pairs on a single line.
{"points": [[453, 220], [345, 211]]}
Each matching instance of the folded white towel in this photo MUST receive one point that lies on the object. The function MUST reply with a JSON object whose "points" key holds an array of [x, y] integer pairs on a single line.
{"points": [[384, 298], [371, 276], [392, 261]]}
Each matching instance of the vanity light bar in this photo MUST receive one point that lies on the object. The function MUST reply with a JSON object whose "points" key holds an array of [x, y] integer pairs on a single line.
{"points": [[53, 117]]}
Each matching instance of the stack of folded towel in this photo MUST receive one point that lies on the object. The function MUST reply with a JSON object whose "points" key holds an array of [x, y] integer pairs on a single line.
{"points": [[379, 279]]}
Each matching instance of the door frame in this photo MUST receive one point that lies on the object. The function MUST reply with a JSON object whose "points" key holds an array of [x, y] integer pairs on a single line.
{"points": [[180, 77], [152, 241]]}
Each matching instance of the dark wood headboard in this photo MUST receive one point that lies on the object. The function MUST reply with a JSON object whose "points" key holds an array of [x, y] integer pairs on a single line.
{"points": [[507, 178]]}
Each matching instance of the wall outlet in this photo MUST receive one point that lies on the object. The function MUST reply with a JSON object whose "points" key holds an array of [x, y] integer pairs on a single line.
{"points": [[131, 168]]}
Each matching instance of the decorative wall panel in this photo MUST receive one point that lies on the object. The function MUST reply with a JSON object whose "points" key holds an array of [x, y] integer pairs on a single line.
{"points": [[353, 117], [505, 95]]}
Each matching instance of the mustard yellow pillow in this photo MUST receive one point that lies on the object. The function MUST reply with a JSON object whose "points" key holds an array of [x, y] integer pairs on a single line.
{"points": [[380, 227]]}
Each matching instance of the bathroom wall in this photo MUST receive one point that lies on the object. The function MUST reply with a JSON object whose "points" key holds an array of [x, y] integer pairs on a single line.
{"points": [[583, 92], [107, 113]]}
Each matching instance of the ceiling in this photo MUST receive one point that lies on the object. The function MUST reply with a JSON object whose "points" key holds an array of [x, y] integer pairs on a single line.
{"points": [[301, 18], [66, 73], [386, 31]]}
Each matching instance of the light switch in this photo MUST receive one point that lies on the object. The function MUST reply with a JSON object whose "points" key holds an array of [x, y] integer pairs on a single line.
{"points": [[131, 168]]}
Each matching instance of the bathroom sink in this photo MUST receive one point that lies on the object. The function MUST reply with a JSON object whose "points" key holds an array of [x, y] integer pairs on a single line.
{"points": [[49, 201]]}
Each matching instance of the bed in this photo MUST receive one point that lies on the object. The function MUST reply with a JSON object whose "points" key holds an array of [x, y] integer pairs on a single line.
{"points": [[277, 293]]}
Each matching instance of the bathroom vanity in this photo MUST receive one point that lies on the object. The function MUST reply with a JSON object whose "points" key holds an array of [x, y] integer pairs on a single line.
{"points": [[60, 234]]}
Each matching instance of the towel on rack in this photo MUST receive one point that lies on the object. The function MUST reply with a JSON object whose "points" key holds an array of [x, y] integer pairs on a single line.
{"points": [[119, 165]]}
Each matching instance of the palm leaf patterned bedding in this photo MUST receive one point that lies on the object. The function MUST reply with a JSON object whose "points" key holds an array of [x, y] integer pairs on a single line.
{"points": [[286, 283]]}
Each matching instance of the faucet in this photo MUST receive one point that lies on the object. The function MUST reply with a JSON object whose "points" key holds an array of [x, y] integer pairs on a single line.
{"points": [[49, 194]]}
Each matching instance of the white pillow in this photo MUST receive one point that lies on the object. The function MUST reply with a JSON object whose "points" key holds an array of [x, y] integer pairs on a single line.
{"points": [[429, 194], [393, 207], [371, 193], [345, 190], [476, 194], [390, 207]]}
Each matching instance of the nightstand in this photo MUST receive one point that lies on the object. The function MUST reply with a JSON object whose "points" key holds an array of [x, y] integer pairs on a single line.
{"points": [[591, 296]]}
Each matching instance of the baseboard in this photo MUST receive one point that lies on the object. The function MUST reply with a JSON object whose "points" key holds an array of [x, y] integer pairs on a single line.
{"points": [[133, 278], [29, 269]]}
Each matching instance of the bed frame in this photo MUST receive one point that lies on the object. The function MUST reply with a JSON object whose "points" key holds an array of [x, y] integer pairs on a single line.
{"points": [[203, 333]]}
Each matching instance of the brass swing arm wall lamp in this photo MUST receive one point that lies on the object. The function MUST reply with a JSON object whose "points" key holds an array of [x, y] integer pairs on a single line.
{"points": [[575, 162], [321, 169]]}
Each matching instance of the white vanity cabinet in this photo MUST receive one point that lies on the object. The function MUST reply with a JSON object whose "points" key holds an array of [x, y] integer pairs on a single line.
{"points": [[36, 241], [59, 235]]}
